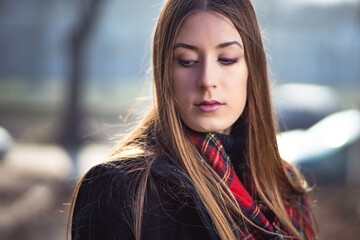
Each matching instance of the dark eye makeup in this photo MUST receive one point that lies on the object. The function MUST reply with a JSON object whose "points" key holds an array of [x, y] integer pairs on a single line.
{"points": [[190, 63], [187, 63], [228, 61]]}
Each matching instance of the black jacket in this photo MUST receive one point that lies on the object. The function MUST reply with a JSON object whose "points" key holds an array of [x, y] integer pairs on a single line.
{"points": [[172, 207]]}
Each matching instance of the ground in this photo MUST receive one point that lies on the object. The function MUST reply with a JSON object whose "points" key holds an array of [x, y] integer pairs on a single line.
{"points": [[34, 205]]}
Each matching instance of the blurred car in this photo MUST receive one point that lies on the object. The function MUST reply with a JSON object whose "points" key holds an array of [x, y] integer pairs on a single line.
{"points": [[322, 150], [319, 134], [299, 105], [5, 142]]}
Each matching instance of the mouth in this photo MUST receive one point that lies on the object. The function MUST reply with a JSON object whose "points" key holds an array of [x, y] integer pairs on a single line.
{"points": [[209, 106]]}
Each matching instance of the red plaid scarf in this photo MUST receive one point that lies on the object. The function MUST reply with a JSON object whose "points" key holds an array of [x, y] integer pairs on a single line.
{"points": [[213, 151]]}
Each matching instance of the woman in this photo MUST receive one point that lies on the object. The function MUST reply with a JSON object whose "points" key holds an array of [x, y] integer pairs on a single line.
{"points": [[203, 163]]}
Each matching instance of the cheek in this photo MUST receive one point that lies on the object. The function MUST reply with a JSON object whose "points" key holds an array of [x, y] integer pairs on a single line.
{"points": [[180, 88], [238, 90], [182, 82], [239, 81], [176, 82]]}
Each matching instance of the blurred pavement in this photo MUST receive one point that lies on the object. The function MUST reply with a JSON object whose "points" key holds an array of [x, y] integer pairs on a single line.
{"points": [[51, 160], [36, 183]]}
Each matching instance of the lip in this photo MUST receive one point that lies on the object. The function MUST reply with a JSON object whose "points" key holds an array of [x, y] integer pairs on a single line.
{"points": [[209, 106]]}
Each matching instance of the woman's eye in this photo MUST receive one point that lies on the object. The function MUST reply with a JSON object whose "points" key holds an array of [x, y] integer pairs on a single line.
{"points": [[187, 63], [228, 61]]}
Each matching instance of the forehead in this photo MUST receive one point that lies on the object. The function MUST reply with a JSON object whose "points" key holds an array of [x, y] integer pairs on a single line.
{"points": [[203, 25]]}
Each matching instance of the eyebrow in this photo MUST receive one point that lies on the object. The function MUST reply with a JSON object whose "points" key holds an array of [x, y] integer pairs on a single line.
{"points": [[187, 46], [194, 48], [227, 44]]}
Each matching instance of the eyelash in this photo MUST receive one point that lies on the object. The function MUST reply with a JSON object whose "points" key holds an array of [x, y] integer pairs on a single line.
{"points": [[224, 61], [228, 61], [187, 63]]}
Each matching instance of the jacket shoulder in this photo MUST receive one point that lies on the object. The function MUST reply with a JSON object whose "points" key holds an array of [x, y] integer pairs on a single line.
{"points": [[107, 195], [100, 205]]}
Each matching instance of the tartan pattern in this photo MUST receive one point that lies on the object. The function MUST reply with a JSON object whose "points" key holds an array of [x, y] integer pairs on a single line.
{"points": [[211, 148]]}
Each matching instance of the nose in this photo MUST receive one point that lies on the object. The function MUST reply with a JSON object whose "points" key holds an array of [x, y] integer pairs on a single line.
{"points": [[207, 76]]}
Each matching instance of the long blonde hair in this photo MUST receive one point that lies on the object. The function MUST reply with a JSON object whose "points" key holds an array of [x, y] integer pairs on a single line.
{"points": [[257, 123]]}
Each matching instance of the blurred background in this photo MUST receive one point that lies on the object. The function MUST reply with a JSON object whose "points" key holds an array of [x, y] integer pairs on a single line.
{"points": [[72, 71]]}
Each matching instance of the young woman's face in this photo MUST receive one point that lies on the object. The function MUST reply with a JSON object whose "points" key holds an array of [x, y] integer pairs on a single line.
{"points": [[209, 73]]}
